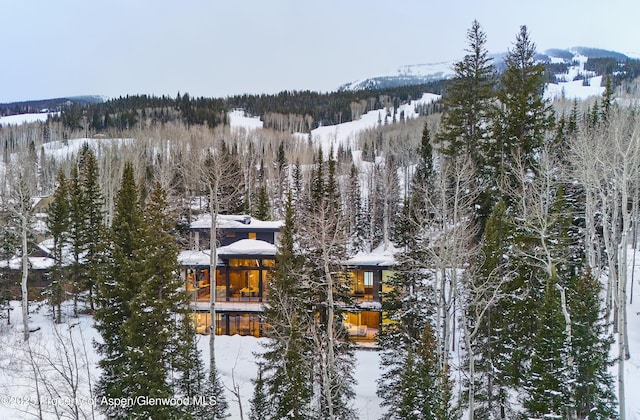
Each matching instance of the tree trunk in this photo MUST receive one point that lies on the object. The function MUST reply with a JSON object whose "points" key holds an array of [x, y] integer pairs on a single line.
{"points": [[330, 365], [25, 276], [571, 410], [213, 258]]}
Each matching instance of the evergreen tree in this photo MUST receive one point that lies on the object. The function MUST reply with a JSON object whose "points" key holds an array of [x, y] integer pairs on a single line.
{"points": [[414, 384], [323, 238], [58, 226], [116, 289], [287, 359], [353, 207], [548, 376], [422, 184], [148, 345], [317, 178], [259, 403], [469, 106], [468, 101], [491, 344], [94, 222], [524, 115], [77, 234], [607, 99], [263, 209], [594, 394]]}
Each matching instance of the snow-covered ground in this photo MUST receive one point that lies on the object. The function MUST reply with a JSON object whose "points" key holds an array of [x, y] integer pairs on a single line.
{"points": [[575, 89], [236, 358], [632, 366], [23, 119], [51, 344], [347, 133]]}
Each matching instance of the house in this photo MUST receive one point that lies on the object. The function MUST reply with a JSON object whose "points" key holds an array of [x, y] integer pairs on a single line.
{"points": [[245, 254], [369, 272]]}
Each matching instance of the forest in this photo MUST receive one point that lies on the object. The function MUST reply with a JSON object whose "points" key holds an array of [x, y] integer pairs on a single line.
{"points": [[511, 215]]}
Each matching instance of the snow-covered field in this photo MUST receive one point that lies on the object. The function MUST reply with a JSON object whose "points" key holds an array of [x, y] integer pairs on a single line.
{"points": [[23, 119]]}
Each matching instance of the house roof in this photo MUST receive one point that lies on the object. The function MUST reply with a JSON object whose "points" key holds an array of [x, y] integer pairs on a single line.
{"points": [[241, 248], [379, 257], [236, 223], [195, 258], [248, 247]]}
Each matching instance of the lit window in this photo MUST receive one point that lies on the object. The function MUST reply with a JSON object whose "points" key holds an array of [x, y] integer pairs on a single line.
{"points": [[252, 235], [368, 278]]}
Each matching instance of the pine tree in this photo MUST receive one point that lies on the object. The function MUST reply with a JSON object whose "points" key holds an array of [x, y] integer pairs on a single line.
{"points": [[414, 384], [353, 208], [148, 339], [547, 377], [323, 238], [58, 226], [263, 210], [595, 397], [491, 344], [116, 289], [286, 361], [524, 115], [259, 402], [468, 101], [77, 235], [94, 222], [317, 178]]}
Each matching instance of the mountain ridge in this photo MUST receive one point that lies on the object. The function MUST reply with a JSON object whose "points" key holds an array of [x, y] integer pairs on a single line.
{"points": [[430, 72]]}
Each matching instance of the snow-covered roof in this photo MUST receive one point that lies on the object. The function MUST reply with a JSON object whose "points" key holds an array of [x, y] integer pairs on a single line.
{"points": [[248, 247], [236, 222], [195, 258], [379, 257], [243, 247]]}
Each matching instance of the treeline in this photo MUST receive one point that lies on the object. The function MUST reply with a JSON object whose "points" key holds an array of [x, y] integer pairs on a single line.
{"points": [[49, 105], [619, 70], [285, 111]]}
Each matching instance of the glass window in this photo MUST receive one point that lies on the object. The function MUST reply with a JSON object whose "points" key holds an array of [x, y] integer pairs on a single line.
{"points": [[235, 262], [252, 235], [368, 278]]}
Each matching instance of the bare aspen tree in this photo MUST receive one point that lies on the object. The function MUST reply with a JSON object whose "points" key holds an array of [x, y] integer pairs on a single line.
{"points": [[323, 232], [606, 160], [452, 230], [17, 204]]}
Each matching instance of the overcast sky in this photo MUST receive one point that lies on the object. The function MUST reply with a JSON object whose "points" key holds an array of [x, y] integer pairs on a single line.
{"points": [[213, 48]]}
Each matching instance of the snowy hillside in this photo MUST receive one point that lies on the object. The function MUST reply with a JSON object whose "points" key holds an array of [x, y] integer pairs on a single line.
{"points": [[346, 134], [23, 119], [567, 87]]}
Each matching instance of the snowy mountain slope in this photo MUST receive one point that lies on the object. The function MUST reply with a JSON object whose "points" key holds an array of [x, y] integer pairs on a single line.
{"points": [[575, 58]]}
